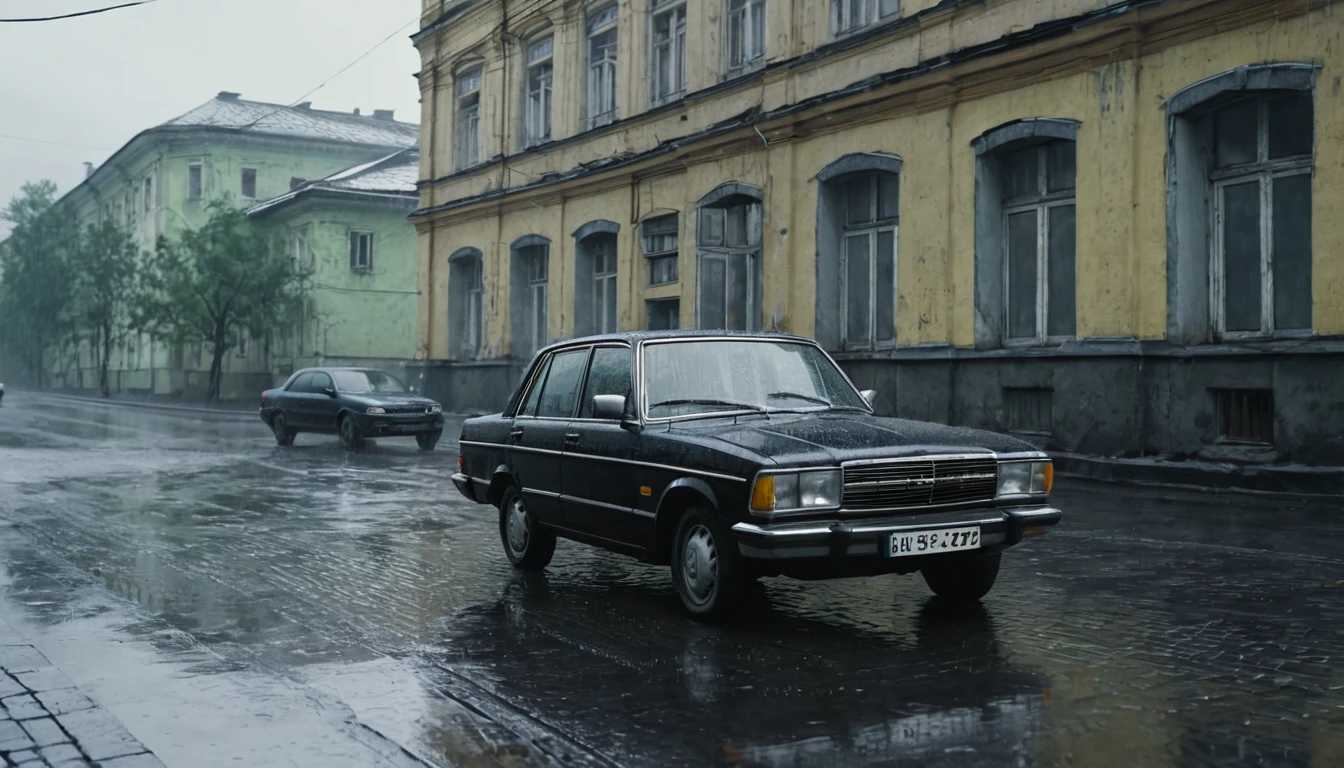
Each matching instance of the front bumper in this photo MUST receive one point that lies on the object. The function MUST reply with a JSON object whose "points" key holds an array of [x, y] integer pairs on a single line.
{"points": [[393, 425], [839, 540]]}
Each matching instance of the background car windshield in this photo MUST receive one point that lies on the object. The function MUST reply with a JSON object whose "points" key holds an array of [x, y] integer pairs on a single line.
{"points": [[366, 381], [741, 374]]}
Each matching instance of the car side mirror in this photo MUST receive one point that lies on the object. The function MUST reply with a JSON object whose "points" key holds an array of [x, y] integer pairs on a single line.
{"points": [[870, 395], [609, 407], [329, 391]]}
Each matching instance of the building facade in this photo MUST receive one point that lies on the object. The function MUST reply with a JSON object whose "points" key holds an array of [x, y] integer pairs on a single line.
{"points": [[1101, 225], [348, 233], [162, 182]]}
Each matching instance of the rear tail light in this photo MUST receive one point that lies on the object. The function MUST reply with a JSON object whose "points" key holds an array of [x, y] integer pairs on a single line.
{"points": [[263, 398], [461, 463]]}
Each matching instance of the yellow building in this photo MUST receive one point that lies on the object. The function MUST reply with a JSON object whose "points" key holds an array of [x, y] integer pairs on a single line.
{"points": [[1103, 224]]}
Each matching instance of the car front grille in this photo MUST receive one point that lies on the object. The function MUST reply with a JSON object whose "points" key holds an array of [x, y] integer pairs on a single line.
{"points": [[403, 409], [923, 482]]}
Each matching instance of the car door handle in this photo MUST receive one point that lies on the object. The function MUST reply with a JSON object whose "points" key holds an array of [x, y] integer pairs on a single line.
{"points": [[515, 433], [572, 437]]}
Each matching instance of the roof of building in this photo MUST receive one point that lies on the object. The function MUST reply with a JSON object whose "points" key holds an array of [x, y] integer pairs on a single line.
{"points": [[230, 112], [393, 176]]}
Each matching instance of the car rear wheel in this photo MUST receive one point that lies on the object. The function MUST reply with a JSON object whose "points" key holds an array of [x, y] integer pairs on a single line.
{"points": [[964, 577], [280, 427], [351, 438], [428, 440], [528, 545], [707, 570]]}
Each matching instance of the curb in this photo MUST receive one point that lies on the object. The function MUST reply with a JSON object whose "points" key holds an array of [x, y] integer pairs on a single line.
{"points": [[1291, 479], [174, 410]]}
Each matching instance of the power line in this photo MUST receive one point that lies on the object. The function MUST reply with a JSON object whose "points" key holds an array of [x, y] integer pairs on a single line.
{"points": [[53, 143], [76, 14]]}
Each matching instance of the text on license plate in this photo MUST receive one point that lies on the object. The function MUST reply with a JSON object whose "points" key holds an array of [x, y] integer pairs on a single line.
{"points": [[933, 541]]}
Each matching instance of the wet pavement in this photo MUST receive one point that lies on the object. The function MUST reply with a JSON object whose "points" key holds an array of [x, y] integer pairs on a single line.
{"points": [[231, 602]]}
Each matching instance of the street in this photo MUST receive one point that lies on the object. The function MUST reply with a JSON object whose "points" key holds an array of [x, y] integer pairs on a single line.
{"points": [[229, 600]]}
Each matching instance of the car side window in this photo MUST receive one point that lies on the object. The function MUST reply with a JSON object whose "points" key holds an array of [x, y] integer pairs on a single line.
{"points": [[534, 395], [562, 384], [608, 375], [321, 382], [304, 383]]}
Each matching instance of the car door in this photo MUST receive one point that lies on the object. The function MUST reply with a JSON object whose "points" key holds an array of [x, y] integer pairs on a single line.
{"points": [[537, 436], [322, 406], [601, 487], [292, 400]]}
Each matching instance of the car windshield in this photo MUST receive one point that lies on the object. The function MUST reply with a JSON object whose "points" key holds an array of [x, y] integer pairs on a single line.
{"points": [[705, 377], [366, 381]]}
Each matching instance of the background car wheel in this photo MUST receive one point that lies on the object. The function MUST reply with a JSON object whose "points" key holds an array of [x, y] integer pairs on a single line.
{"points": [[280, 426], [351, 439], [528, 545], [706, 568], [428, 441], [963, 578]]}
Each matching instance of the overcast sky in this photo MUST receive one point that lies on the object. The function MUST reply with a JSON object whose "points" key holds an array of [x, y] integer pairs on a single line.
{"points": [[97, 81]]}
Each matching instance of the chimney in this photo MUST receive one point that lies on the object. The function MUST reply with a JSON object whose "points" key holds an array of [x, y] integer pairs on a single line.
{"points": [[305, 105], [383, 114], [356, 111], [88, 169], [228, 96]]}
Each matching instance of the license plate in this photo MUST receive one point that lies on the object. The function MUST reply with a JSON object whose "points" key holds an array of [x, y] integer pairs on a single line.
{"points": [[933, 542], [408, 427]]}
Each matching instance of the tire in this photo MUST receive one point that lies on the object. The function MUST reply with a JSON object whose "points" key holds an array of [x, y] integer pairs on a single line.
{"points": [[707, 571], [962, 578], [284, 436], [351, 439], [428, 440], [528, 546]]}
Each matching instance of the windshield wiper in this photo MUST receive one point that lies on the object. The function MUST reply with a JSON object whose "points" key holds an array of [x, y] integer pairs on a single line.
{"points": [[705, 401], [801, 396]]}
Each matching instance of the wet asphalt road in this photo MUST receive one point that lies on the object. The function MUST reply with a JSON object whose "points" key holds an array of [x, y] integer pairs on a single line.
{"points": [[234, 601]]}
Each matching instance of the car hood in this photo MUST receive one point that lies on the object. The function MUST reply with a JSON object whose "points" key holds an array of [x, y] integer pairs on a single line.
{"points": [[833, 436], [390, 398]]}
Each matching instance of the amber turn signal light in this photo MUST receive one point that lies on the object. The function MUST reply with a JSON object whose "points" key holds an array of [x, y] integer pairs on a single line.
{"points": [[763, 494], [1049, 476]]}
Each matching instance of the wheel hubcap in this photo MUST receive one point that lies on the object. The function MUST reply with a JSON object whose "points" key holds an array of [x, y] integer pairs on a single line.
{"points": [[517, 526], [700, 564]]}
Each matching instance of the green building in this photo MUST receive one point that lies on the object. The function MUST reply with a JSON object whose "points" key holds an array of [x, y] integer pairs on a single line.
{"points": [[244, 152], [349, 232]]}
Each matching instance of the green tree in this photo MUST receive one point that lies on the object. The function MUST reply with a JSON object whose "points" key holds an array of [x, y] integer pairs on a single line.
{"points": [[35, 275], [107, 291], [218, 282]]}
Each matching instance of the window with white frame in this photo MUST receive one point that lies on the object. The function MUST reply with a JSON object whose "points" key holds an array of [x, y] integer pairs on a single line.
{"points": [[1260, 177], [868, 260], [298, 249], [658, 237], [537, 103], [668, 49], [604, 283], [466, 304], [729, 281], [468, 129], [1039, 215], [530, 287], [600, 25], [851, 15], [361, 251], [743, 36]]}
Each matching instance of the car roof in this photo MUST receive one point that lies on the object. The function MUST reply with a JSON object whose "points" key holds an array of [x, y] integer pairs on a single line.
{"points": [[635, 337]]}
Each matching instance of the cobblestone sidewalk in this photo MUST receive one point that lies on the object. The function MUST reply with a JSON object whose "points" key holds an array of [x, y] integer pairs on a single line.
{"points": [[46, 721]]}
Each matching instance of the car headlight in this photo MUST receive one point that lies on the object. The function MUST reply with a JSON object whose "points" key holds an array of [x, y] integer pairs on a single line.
{"points": [[811, 489], [375, 409], [1025, 478], [435, 408]]}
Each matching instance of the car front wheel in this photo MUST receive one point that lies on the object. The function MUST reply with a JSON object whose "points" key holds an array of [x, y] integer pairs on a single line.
{"points": [[351, 438], [280, 426], [428, 440], [528, 545], [964, 577], [706, 568]]}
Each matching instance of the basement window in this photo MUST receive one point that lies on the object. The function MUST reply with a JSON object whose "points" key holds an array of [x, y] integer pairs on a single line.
{"points": [[1029, 409], [1245, 415]]}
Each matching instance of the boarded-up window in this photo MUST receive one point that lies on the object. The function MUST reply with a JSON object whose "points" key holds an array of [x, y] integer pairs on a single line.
{"points": [[1028, 409]]}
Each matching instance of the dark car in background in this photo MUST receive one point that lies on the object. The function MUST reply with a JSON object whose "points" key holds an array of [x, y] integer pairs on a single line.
{"points": [[355, 403], [733, 456]]}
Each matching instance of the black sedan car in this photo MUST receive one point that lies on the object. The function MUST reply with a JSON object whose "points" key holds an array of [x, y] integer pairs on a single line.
{"points": [[733, 456], [355, 403]]}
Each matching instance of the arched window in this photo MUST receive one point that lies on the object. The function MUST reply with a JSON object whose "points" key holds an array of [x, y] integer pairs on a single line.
{"points": [[529, 278], [1239, 221], [858, 216], [728, 243], [1025, 233], [466, 304], [595, 301]]}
